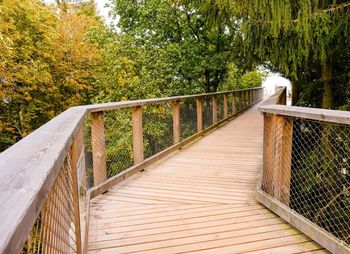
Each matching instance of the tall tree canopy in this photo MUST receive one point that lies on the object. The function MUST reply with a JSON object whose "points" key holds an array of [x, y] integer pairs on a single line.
{"points": [[46, 64], [307, 41], [184, 51]]}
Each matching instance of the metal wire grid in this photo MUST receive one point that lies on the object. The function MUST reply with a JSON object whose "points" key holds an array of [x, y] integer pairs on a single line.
{"points": [[188, 118], [320, 173], [89, 175], [54, 229], [220, 104], [118, 140], [229, 104], [207, 112], [157, 125]]}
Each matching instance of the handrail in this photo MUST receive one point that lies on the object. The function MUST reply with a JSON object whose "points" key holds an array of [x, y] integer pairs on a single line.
{"points": [[30, 168], [136, 103], [327, 115], [24, 190], [302, 177]]}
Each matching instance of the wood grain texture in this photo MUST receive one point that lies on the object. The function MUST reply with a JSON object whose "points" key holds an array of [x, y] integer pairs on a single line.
{"points": [[137, 136], [200, 199], [28, 170], [98, 147], [176, 122]]}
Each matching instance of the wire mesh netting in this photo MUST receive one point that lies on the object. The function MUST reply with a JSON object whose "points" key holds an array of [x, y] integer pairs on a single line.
{"points": [[54, 229], [118, 140], [188, 118], [319, 181], [207, 112], [220, 101], [157, 128], [229, 104]]}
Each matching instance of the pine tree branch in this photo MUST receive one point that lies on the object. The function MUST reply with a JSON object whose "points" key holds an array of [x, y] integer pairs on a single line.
{"points": [[332, 9]]}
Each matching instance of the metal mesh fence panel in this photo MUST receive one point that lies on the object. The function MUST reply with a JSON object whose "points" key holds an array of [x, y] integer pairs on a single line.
{"points": [[118, 140], [188, 118], [89, 175], [320, 181], [54, 229], [308, 169], [220, 100], [207, 112], [157, 128], [229, 104]]}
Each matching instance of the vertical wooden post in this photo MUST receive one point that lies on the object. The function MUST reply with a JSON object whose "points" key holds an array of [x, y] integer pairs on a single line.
{"points": [[199, 114], [215, 109], [268, 154], [137, 136], [98, 147], [283, 158], [278, 136], [233, 103], [225, 106], [76, 151], [176, 122], [251, 97]]}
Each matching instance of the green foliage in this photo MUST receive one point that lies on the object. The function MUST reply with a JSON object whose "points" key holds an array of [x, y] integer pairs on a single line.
{"points": [[237, 80]]}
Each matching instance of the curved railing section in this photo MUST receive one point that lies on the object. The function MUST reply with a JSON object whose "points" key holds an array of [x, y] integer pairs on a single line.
{"points": [[306, 170], [48, 178]]}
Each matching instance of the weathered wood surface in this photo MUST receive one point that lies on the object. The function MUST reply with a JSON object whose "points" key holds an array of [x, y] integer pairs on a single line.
{"points": [[326, 115], [197, 200], [28, 170]]}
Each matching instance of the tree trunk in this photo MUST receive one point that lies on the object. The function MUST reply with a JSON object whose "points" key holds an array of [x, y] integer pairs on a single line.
{"points": [[327, 96]]}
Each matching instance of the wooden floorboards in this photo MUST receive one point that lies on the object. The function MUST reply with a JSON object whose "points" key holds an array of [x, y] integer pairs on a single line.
{"points": [[197, 200]]}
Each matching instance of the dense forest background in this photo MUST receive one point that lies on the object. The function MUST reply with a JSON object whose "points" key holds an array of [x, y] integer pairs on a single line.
{"points": [[54, 56]]}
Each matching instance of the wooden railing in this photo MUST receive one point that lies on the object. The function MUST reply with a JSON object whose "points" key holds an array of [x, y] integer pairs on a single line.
{"points": [[45, 184], [306, 174]]}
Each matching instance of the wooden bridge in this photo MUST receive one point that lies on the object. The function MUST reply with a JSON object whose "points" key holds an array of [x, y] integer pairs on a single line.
{"points": [[203, 194]]}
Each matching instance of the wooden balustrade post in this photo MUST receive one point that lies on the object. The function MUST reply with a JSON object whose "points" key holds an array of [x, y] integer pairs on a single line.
{"points": [[215, 109], [278, 136], [283, 158], [176, 122], [233, 103], [137, 135], [225, 106], [77, 157], [251, 97], [98, 147], [199, 114]]}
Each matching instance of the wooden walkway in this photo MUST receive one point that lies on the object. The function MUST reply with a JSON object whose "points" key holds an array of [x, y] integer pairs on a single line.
{"points": [[197, 200]]}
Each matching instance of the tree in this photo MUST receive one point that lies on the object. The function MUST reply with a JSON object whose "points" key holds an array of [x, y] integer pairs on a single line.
{"points": [[304, 40], [46, 65], [185, 52]]}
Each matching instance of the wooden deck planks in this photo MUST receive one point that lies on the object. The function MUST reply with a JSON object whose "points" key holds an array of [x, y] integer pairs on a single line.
{"points": [[197, 200]]}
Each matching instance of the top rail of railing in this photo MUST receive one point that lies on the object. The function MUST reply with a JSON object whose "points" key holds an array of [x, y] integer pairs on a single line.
{"points": [[30, 167], [275, 104]]}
